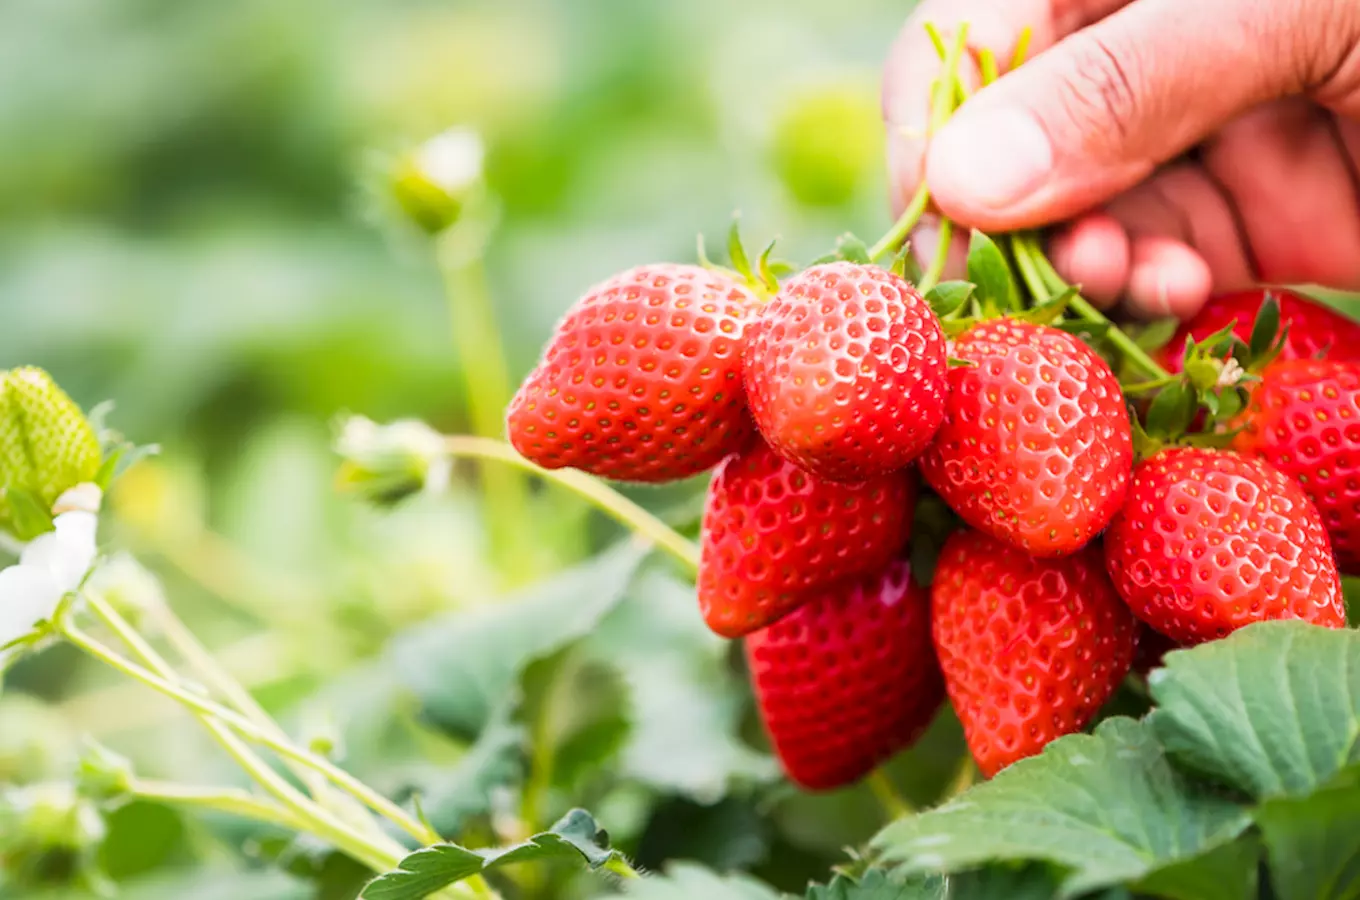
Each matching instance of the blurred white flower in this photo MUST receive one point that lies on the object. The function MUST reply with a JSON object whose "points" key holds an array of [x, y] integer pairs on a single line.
{"points": [[452, 160], [50, 567]]}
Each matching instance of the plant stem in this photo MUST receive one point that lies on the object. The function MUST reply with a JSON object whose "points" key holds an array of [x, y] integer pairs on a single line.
{"points": [[903, 226], [937, 264], [244, 726], [317, 820], [377, 851], [963, 779], [887, 796], [609, 501], [233, 801], [486, 380], [1028, 245], [622, 868], [217, 678]]}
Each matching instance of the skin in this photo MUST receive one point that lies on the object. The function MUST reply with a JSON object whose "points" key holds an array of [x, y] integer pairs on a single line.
{"points": [[1178, 148]]}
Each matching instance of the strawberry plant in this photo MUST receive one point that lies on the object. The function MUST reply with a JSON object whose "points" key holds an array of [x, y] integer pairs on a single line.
{"points": [[1066, 600]]}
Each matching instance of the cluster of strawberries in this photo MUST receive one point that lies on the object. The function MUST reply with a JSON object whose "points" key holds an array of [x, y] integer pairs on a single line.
{"points": [[825, 403]]}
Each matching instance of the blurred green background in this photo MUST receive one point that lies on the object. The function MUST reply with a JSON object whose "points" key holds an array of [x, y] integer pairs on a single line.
{"points": [[190, 226]]}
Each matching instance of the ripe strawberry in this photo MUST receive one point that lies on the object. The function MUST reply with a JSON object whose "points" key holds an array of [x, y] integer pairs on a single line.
{"points": [[848, 679], [772, 532], [1304, 419], [1314, 329], [1030, 648], [1036, 445], [845, 371], [1209, 541], [642, 379]]}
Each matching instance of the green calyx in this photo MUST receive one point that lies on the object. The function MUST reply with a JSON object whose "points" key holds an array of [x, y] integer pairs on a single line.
{"points": [[47, 446]]}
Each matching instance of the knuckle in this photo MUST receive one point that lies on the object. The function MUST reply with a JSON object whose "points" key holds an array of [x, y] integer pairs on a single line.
{"points": [[1099, 95]]}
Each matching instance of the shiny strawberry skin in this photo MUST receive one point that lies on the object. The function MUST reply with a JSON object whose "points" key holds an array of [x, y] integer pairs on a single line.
{"points": [[772, 532], [1030, 648], [848, 679], [642, 378], [1304, 419], [1209, 541], [1315, 330], [846, 371], [1036, 446]]}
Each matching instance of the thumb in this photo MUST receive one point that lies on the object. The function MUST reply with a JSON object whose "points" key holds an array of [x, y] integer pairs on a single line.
{"points": [[1100, 110]]}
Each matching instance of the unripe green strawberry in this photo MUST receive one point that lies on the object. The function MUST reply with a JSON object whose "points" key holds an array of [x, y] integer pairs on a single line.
{"points": [[47, 446]]}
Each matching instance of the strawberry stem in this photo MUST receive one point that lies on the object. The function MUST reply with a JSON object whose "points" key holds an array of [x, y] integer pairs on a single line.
{"points": [[608, 500], [932, 275], [885, 792], [903, 226], [1028, 252]]}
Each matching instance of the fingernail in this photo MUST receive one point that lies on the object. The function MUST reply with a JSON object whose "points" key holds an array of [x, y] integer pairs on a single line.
{"points": [[989, 159]]}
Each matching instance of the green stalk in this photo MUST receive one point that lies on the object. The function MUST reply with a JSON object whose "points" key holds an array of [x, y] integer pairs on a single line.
{"points": [[1028, 246], [486, 379], [321, 823], [608, 500], [217, 678], [232, 801], [937, 264], [887, 795], [377, 851], [903, 226]]}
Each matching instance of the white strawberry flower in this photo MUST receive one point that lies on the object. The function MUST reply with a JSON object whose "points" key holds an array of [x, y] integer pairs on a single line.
{"points": [[452, 160], [50, 566]]}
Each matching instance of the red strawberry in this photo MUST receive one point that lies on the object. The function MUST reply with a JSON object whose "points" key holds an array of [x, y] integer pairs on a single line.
{"points": [[773, 532], [1030, 648], [1314, 329], [1036, 444], [1304, 419], [848, 679], [845, 371], [1209, 541], [642, 379]]}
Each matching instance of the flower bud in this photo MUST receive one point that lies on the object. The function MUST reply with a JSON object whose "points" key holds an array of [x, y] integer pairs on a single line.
{"points": [[434, 183], [47, 447], [47, 816], [388, 463], [35, 740], [104, 776]]}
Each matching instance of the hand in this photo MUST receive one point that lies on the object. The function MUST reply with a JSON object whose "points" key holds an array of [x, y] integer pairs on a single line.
{"points": [[1188, 146]]}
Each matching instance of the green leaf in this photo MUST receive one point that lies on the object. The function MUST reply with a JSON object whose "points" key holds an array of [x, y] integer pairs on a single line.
{"points": [[948, 297], [685, 881], [684, 703], [1266, 327], [1107, 807], [767, 276], [1272, 710], [1003, 882], [1156, 334], [1226, 872], [875, 885], [989, 270], [1172, 410], [450, 795], [1314, 844], [1051, 310], [576, 837], [736, 251], [852, 249], [28, 515], [464, 664]]}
